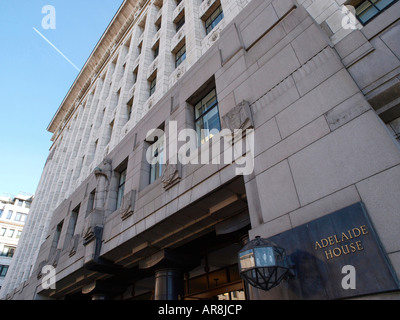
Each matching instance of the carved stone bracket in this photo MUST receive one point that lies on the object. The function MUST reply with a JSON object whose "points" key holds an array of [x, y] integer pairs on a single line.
{"points": [[91, 233], [128, 205], [88, 236], [240, 117], [40, 267], [73, 245], [172, 174], [54, 259]]}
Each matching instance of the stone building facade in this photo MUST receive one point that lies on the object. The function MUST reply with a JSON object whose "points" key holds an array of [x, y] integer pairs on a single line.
{"points": [[317, 105], [13, 215]]}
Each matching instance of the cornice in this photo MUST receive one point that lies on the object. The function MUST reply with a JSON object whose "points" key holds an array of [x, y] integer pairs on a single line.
{"points": [[122, 21]]}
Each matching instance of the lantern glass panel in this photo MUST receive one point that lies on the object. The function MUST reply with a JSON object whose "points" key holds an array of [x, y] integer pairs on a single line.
{"points": [[265, 257], [246, 260]]}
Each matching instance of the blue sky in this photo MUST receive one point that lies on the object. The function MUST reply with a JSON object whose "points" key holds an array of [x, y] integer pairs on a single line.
{"points": [[34, 78]]}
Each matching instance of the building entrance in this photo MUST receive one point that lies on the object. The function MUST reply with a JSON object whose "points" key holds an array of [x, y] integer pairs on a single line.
{"points": [[217, 277], [190, 255], [222, 284]]}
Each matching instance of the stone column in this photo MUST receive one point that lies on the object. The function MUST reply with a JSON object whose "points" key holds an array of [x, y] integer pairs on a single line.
{"points": [[169, 268], [169, 284]]}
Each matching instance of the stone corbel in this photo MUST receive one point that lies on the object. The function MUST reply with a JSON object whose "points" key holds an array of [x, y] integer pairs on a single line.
{"points": [[40, 268], [240, 117], [94, 220], [172, 174], [89, 234], [128, 205], [54, 259], [73, 245]]}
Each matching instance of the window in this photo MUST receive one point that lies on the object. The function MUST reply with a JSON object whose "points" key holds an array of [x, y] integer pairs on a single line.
{"points": [[124, 69], [153, 84], [207, 120], [140, 48], [110, 131], [7, 252], [394, 128], [179, 24], [135, 74], [158, 24], [214, 19], [20, 217], [118, 96], [9, 214], [157, 155], [156, 50], [57, 234], [95, 145], [180, 56], [1, 212], [10, 233], [90, 206], [367, 10], [129, 106], [19, 232], [3, 232], [127, 44], [3, 270], [121, 188], [74, 220]]}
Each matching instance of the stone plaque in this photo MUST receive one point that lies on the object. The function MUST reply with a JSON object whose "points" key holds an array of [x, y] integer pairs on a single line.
{"points": [[336, 256]]}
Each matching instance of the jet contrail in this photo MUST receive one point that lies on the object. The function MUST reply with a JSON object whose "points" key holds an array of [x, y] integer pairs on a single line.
{"points": [[56, 49]]}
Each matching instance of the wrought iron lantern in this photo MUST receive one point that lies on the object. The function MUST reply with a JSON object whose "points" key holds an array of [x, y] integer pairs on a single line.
{"points": [[263, 264]]}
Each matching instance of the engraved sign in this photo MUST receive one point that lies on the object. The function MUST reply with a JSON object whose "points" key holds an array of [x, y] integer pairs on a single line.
{"points": [[323, 248]]}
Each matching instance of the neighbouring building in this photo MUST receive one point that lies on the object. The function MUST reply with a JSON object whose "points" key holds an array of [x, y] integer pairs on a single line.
{"points": [[196, 126], [13, 214]]}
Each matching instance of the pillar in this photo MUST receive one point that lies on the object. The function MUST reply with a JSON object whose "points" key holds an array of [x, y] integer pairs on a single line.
{"points": [[169, 268], [169, 284]]}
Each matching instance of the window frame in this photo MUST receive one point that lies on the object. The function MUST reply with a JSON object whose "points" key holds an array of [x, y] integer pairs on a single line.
{"points": [[204, 113], [211, 22], [10, 233], [372, 5], [153, 86], [121, 188], [157, 148], [20, 217], [156, 51], [178, 56], [2, 272], [91, 201], [9, 253], [57, 235], [74, 220], [180, 23], [9, 214]]}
